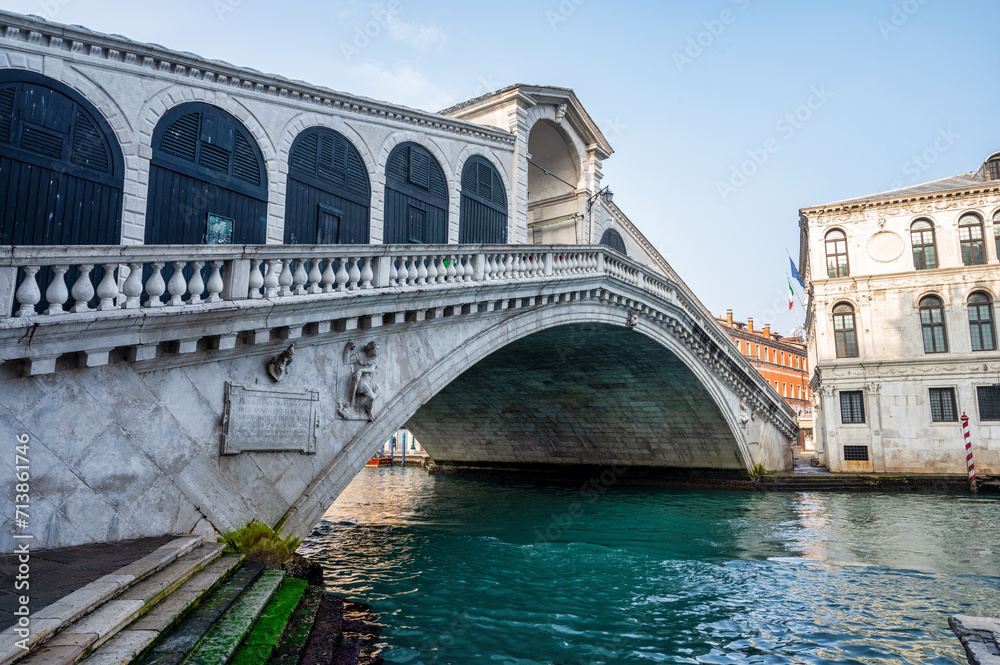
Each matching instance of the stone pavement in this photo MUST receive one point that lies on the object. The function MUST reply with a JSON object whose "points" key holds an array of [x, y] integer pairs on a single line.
{"points": [[57, 573], [800, 464]]}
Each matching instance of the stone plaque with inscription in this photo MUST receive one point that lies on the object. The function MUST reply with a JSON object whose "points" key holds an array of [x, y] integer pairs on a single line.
{"points": [[266, 419]]}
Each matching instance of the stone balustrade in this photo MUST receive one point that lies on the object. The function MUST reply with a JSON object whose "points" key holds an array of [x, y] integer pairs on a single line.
{"points": [[146, 276]]}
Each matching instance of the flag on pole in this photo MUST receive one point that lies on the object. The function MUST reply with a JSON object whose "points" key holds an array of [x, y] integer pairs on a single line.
{"points": [[791, 294], [795, 272]]}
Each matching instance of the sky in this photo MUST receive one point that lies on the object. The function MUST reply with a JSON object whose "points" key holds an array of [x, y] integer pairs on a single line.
{"points": [[726, 116]]}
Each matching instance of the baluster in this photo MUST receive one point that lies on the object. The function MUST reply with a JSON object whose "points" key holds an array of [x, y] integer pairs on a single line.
{"points": [[315, 277], [256, 280], [132, 288], [508, 266], [176, 286], [196, 285], [518, 266], [421, 271], [393, 273], [402, 273], [342, 275], [459, 269], [107, 290], [215, 283], [367, 275], [57, 294], [285, 279], [490, 267], [329, 277], [28, 295], [271, 283], [83, 289], [155, 286], [432, 270], [451, 270], [300, 277], [355, 275]]}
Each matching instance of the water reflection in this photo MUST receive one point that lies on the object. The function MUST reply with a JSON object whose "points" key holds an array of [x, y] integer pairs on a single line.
{"points": [[473, 571]]}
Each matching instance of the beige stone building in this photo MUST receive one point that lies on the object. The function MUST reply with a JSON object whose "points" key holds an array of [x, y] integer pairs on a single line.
{"points": [[901, 324]]}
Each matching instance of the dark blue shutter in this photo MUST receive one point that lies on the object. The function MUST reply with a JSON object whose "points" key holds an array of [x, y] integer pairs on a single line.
{"points": [[205, 162], [613, 239], [415, 181], [483, 212], [6, 112], [327, 180]]}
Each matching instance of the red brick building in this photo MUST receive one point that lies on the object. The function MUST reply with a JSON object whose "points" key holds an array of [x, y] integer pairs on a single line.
{"points": [[782, 361]]}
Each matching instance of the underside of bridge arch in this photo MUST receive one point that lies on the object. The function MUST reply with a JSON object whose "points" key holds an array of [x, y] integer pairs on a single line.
{"points": [[578, 395]]}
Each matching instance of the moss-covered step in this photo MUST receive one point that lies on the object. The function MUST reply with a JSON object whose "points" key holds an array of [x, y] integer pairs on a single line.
{"points": [[130, 643], [228, 632], [293, 642], [267, 631], [173, 647], [325, 633]]}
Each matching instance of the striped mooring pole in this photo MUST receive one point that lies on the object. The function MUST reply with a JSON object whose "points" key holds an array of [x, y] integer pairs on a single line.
{"points": [[968, 450]]}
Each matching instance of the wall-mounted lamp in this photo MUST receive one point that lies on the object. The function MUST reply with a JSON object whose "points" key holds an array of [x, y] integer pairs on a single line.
{"points": [[604, 193]]}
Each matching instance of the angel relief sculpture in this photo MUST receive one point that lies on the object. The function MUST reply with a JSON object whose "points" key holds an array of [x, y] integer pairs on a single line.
{"points": [[361, 386]]}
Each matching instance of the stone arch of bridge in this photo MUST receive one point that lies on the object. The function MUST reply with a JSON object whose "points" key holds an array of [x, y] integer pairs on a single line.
{"points": [[719, 417]]}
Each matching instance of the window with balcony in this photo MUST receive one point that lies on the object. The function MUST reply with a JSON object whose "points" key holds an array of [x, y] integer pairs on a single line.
{"points": [[981, 327], [932, 325], [844, 334]]}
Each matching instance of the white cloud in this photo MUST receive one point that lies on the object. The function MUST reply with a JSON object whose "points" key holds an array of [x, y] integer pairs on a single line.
{"points": [[422, 36]]}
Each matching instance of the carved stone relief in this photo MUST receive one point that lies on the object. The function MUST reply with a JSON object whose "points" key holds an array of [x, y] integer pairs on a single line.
{"points": [[362, 385]]}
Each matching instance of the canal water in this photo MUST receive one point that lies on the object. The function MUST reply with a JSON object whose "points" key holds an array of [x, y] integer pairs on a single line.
{"points": [[467, 571]]}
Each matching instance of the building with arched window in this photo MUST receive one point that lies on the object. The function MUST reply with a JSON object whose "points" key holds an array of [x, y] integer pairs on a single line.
{"points": [[903, 295]]}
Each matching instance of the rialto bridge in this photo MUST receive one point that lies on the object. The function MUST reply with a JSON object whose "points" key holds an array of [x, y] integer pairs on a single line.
{"points": [[221, 290]]}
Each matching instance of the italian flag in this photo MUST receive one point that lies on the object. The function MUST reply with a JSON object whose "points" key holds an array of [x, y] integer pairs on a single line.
{"points": [[791, 293]]}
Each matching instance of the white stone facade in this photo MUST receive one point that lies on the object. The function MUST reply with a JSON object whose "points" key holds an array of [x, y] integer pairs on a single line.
{"points": [[894, 374]]}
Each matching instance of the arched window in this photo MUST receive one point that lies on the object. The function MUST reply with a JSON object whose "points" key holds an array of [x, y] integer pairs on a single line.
{"points": [[981, 322], [207, 182], [483, 213], [328, 198], [416, 197], [993, 167], [970, 234], [836, 254], [844, 334], [61, 168], [932, 325], [996, 230], [922, 239], [614, 240]]}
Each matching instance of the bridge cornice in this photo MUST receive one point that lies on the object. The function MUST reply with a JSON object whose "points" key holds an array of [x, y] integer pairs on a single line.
{"points": [[247, 298]]}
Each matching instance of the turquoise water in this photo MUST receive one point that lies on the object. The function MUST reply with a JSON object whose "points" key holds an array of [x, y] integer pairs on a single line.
{"points": [[477, 571]]}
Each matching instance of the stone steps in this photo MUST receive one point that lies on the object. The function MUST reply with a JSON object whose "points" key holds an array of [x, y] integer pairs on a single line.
{"points": [[225, 636], [174, 646], [134, 640], [49, 621], [270, 626], [82, 637], [293, 642]]}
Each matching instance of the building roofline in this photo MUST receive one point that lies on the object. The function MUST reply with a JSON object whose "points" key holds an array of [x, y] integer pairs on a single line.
{"points": [[532, 95], [80, 42]]}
